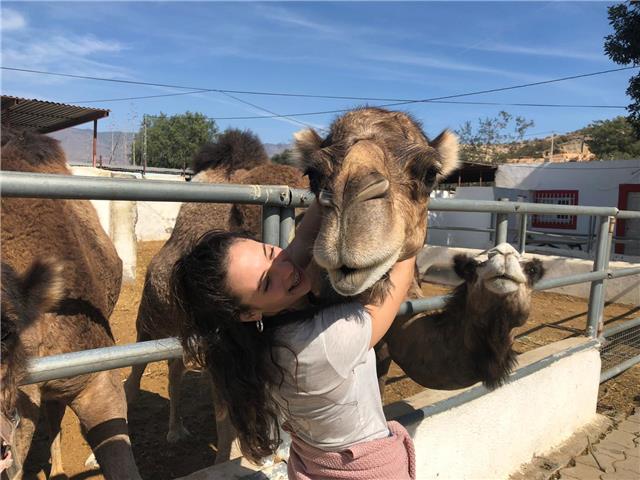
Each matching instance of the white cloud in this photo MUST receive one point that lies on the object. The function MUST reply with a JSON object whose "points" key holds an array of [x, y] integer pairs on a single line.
{"points": [[11, 20], [536, 51], [75, 54]]}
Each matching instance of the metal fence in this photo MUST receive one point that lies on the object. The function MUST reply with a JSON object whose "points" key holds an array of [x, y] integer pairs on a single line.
{"points": [[278, 204]]}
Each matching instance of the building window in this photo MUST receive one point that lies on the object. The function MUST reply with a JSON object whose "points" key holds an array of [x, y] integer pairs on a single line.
{"points": [[555, 197]]}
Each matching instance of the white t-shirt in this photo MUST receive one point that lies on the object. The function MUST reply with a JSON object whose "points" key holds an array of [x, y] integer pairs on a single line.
{"points": [[331, 396]]}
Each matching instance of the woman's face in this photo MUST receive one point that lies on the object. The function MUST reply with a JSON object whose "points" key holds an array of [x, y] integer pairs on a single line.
{"points": [[264, 278]]}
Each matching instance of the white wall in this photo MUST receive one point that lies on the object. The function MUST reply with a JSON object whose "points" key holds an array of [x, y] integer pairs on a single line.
{"points": [[597, 182], [460, 238]]}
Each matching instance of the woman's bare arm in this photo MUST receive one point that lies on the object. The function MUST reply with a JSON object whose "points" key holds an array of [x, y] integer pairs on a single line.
{"points": [[382, 315], [301, 248]]}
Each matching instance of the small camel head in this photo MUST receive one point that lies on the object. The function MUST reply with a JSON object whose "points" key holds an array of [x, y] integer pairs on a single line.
{"points": [[24, 298], [372, 175], [501, 274]]}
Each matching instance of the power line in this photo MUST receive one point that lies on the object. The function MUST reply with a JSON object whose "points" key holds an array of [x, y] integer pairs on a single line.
{"points": [[335, 97], [265, 110], [499, 104]]}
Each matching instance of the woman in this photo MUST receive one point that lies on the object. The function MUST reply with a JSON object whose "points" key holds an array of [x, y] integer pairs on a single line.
{"points": [[250, 320]]}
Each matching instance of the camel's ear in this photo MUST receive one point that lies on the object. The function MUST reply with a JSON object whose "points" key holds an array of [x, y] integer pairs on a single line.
{"points": [[446, 144], [307, 142], [465, 267], [42, 286], [534, 271], [429, 164]]}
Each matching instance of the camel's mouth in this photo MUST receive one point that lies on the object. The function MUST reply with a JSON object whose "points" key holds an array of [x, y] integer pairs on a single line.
{"points": [[349, 281], [503, 284]]}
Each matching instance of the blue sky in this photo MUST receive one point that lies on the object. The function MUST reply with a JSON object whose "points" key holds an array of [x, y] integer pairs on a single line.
{"points": [[389, 50]]}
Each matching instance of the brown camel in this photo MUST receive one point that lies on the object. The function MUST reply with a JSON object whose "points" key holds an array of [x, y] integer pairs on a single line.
{"points": [[373, 174], [470, 339], [70, 232], [236, 157], [24, 298]]}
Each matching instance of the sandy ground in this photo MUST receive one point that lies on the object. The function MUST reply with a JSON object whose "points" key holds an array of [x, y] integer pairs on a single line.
{"points": [[553, 318]]}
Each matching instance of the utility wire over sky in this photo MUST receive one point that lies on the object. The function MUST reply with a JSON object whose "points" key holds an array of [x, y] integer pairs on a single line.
{"points": [[396, 101]]}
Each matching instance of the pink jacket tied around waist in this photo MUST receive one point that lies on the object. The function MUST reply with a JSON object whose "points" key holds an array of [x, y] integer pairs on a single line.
{"points": [[388, 458]]}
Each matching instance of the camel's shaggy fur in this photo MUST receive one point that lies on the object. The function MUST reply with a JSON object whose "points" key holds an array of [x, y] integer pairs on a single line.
{"points": [[470, 339]]}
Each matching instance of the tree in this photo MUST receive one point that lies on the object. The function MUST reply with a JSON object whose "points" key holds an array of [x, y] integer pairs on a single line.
{"points": [[623, 47], [284, 158], [172, 141], [612, 139], [485, 143]]}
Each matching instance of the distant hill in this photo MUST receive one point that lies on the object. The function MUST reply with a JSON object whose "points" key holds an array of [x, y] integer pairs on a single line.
{"points": [[77, 144]]}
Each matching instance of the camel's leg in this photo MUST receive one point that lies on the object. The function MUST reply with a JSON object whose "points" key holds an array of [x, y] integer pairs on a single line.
{"points": [[102, 410], [132, 384], [177, 430], [28, 405], [228, 447], [54, 411]]}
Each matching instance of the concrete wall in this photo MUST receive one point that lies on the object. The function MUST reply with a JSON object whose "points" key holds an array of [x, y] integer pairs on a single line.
{"points": [[475, 434], [434, 264], [118, 219]]}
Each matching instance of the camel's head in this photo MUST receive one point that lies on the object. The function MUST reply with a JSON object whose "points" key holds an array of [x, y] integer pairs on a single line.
{"points": [[372, 175], [24, 298], [502, 274]]}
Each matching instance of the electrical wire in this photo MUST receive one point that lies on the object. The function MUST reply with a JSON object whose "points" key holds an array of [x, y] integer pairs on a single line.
{"points": [[399, 101]]}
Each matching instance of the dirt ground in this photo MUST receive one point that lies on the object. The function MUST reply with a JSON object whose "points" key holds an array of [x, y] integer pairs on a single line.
{"points": [[554, 317]]}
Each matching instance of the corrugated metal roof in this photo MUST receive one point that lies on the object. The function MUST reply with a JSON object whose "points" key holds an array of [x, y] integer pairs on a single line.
{"points": [[45, 117]]}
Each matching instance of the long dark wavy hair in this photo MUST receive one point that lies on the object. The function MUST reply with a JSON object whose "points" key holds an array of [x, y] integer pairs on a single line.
{"points": [[239, 358]]}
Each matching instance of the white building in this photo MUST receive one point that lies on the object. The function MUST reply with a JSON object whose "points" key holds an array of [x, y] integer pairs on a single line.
{"points": [[606, 183]]}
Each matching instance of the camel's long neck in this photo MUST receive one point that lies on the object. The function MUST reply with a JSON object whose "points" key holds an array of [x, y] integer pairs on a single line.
{"points": [[487, 334], [458, 346]]}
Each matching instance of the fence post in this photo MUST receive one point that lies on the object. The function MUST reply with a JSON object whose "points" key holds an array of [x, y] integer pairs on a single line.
{"points": [[271, 225], [522, 232], [502, 225], [287, 225], [600, 263]]}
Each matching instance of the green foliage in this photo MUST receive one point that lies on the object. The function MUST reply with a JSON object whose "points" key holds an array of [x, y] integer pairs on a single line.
{"points": [[623, 47], [612, 139], [171, 141], [284, 158], [480, 144]]}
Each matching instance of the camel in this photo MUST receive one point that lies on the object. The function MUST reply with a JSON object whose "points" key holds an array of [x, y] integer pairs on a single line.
{"points": [[235, 157], [470, 339], [91, 272], [373, 174], [24, 298]]}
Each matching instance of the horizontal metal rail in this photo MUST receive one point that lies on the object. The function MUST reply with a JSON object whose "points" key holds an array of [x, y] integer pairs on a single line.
{"points": [[618, 342], [618, 369], [89, 361], [95, 360], [20, 184], [137, 169], [575, 237], [621, 327]]}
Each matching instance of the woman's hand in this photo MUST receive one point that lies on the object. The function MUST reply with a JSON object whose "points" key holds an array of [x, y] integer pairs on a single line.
{"points": [[301, 248], [382, 316]]}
